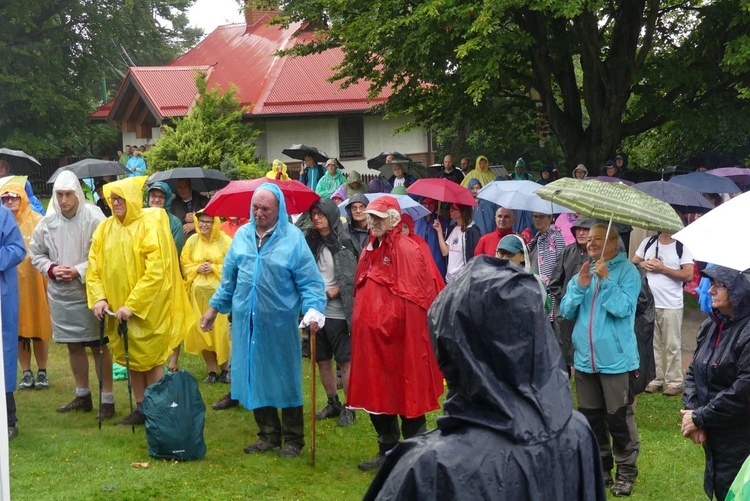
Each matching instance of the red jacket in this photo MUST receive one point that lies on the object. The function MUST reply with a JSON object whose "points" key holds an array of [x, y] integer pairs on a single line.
{"points": [[488, 243]]}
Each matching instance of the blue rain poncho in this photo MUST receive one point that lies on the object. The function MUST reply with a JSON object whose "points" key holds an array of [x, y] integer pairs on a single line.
{"points": [[266, 290], [12, 253]]}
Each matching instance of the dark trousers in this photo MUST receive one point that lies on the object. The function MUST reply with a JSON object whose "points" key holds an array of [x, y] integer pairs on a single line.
{"points": [[291, 427], [386, 426], [10, 404]]}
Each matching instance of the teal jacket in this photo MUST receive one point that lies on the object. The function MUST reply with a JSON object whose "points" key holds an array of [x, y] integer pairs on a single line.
{"points": [[605, 340]]}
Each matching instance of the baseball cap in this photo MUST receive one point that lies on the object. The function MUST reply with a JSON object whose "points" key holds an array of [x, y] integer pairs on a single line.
{"points": [[510, 244], [379, 207]]}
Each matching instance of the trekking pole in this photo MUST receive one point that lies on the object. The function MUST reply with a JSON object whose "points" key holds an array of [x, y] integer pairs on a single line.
{"points": [[122, 329], [101, 367], [312, 396]]}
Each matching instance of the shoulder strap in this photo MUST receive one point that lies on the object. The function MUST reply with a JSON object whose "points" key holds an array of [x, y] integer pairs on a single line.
{"points": [[650, 242]]}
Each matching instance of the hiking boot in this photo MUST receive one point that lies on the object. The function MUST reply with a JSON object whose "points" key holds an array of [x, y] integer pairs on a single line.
{"points": [[12, 432], [622, 488], [78, 404], [290, 450], [671, 391], [211, 378], [136, 417], [225, 402], [41, 383], [224, 377], [260, 445], [331, 410], [608, 480], [27, 381], [106, 411], [653, 388], [347, 417], [373, 464]]}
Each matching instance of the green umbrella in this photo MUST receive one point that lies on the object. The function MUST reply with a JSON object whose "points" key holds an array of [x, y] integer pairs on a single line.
{"points": [[613, 201]]}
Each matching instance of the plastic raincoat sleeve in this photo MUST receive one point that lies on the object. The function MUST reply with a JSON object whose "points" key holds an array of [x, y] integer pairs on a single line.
{"points": [[620, 298], [36, 205], [13, 248], [187, 264], [222, 298], [308, 280], [140, 299], [94, 284]]}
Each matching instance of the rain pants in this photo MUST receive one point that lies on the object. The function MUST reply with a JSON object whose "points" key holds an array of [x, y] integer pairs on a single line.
{"points": [[198, 250], [134, 263], [59, 241], [175, 224], [509, 431], [12, 253], [33, 308], [266, 290]]}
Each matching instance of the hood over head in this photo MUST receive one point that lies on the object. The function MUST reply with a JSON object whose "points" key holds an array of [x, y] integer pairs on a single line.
{"points": [[737, 284], [473, 182], [131, 189], [495, 347], [481, 157], [354, 184], [408, 221], [356, 198], [215, 229], [24, 209], [340, 193], [67, 181], [283, 220], [163, 187], [580, 167], [583, 222]]}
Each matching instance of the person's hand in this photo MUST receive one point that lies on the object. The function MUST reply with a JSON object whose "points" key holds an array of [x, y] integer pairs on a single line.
{"points": [[437, 226], [601, 270], [65, 273], [59, 273], [654, 265], [99, 308], [207, 320], [688, 426], [314, 328], [205, 268], [585, 275], [123, 314], [698, 437], [333, 292], [188, 228], [189, 217]]}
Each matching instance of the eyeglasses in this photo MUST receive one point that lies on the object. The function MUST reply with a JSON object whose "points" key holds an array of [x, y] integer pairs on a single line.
{"points": [[504, 254], [540, 216], [10, 199], [116, 200], [359, 208], [317, 215], [205, 223], [718, 285], [157, 197]]}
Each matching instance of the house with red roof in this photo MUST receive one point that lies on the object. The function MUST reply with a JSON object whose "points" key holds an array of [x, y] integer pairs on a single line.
{"points": [[289, 99]]}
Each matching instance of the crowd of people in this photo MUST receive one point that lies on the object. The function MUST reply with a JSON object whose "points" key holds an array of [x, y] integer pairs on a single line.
{"points": [[557, 305]]}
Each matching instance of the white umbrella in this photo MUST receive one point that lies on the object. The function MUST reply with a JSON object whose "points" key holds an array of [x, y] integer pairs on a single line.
{"points": [[519, 195], [716, 237], [408, 205]]}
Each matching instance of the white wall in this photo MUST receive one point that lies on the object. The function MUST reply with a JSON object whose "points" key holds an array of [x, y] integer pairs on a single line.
{"points": [[129, 138]]}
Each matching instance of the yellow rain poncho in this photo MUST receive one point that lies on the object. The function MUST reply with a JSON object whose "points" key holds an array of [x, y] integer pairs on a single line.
{"points": [[134, 263], [483, 176], [278, 171], [33, 308], [198, 250]]}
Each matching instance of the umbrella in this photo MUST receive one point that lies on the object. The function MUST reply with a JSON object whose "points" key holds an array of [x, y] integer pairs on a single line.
{"points": [[234, 200], [416, 169], [91, 167], [408, 205], [613, 201], [376, 162], [519, 195], [20, 163], [716, 237], [682, 199], [736, 174], [13, 179], [641, 175], [299, 151], [201, 180], [610, 179], [703, 182], [443, 190]]}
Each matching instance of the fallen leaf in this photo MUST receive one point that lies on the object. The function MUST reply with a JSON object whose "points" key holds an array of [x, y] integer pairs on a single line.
{"points": [[139, 465]]}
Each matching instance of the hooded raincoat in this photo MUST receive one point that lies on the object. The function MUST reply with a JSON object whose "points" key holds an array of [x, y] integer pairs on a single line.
{"points": [[198, 250], [361, 235], [278, 171], [717, 384], [509, 431], [266, 290], [134, 263], [328, 184], [483, 176], [62, 241], [33, 308], [484, 213], [354, 185], [175, 225], [437, 277], [12, 253]]}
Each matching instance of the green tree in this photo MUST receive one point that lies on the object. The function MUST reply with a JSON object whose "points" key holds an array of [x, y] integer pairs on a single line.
{"points": [[212, 135]]}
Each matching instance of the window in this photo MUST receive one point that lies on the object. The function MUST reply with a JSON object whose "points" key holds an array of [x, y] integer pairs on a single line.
{"points": [[351, 137]]}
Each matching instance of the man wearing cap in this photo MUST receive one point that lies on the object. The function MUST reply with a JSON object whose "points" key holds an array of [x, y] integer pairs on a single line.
{"points": [[611, 170], [519, 173], [504, 219], [393, 367]]}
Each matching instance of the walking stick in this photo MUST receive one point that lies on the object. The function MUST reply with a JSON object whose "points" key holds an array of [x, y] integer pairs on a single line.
{"points": [[312, 396], [122, 329], [101, 368]]}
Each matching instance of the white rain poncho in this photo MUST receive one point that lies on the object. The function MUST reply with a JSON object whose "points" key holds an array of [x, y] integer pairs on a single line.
{"points": [[58, 240]]}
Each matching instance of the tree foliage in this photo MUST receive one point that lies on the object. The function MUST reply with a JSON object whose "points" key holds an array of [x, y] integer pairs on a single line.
{"points": [[212, 135]]}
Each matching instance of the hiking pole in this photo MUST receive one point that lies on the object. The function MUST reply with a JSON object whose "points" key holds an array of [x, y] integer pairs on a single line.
{"points": [[312, 395], [101, 368], [122, 329]]}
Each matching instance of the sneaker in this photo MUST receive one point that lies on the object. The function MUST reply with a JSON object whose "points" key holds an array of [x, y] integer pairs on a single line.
{"points": [[671, 391], [12, 432], [78, 404], [211, 378], [224, 377], [347, 417], [225, 402], [653, 388], [260, 445], [290, 450], [137, 417], [27, 381], [622, 488], [41, 383], [329, 411], [373, 464], [106, 411]]}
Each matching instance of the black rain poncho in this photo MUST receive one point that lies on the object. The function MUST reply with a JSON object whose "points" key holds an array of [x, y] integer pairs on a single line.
{"points": [[509, 429]]}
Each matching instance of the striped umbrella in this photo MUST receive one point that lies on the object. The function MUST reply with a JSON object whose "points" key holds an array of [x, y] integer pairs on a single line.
{"points": [[613, 201]]}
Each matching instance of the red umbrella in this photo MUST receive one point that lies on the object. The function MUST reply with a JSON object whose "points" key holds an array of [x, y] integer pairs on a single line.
{"points": [[234, 199], [443, 190]]}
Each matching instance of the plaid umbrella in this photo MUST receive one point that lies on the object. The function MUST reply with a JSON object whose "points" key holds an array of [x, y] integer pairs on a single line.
{"points": [[613, 201]]}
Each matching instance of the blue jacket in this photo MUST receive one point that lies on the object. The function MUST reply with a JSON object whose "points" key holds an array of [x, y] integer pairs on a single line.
{"points": [[12, 253], [266, 291], [610, 329]]}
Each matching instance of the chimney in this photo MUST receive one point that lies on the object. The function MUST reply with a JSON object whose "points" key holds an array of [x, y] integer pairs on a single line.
{"points": [[253, 14]]}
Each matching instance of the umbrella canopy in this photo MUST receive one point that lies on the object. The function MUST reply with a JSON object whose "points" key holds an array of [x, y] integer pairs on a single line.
{"points": [[641, 175], [92, 167], [716, 238], [234, 200], [610, 179], [736, 174], [408, 205], [519, 195], [299, 151], [13, 179], [682, 199], [615, 201], [202, 180], [703, 182], [416, 169], [443, 190], [20, 163], [376, 162]]}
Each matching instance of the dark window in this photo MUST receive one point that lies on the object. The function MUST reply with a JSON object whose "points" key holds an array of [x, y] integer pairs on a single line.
{"points": [[351, 137]]}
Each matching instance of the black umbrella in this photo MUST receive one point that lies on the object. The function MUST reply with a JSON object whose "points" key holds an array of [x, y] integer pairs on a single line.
{"points": [[299, 151], [91, 167], [20, 163], [378, 161], [416, 169], [682, 199], [201, 180]]}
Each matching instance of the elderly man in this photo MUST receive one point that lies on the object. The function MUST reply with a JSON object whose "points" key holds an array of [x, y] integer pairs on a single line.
{"points": [[393, 368], [59, 249], [269, 278], [134, 271], [36, 205], [504, 220], [450, 171], [602, 299], [187, 203]]}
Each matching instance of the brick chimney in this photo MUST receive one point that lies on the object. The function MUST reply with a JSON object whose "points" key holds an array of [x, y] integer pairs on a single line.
{"points": [[253, 15]]}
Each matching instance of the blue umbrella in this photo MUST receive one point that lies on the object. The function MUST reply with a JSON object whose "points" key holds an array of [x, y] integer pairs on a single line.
{"points": [[683, 199], [706, 183]]}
